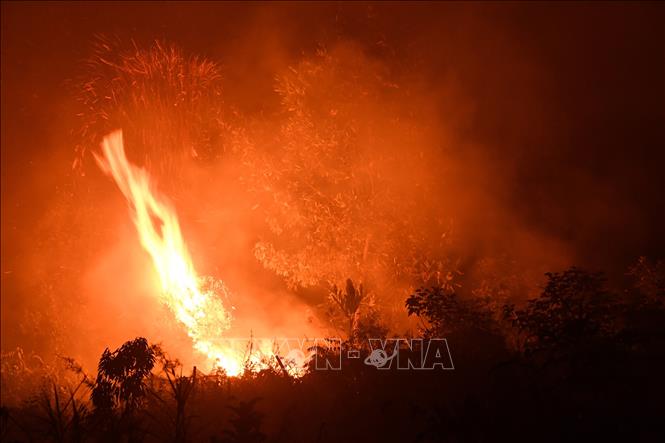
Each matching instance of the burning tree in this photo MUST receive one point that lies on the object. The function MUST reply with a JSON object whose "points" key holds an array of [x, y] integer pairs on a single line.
{"points": [[168, 104], [346, 189]]}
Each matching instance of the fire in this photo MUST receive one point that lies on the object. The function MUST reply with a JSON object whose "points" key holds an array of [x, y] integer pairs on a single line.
{"points": [[194, 304]]}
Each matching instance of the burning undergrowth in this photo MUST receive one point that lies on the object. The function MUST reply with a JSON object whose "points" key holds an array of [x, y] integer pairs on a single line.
{"points": [[325, 207], [352, 189], [345, 172]]}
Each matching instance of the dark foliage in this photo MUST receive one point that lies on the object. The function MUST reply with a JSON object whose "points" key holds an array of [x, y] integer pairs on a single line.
{"points": [[348, 301], [120, 389], [588, 367], [121, 376], [574, 311], [445, 312]]}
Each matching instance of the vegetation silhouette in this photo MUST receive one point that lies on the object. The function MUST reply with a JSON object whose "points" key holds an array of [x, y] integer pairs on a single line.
{"points": [[582, 361]]}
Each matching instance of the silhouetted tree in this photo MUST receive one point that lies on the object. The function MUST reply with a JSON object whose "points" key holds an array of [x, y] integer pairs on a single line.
{"points": [[443, 312], [348, 301], [121, 375], [121, 386], [466, 323], [574, 310]]}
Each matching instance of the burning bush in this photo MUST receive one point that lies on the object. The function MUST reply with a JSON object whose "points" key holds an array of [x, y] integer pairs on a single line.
{"points": [[167, 103], [345, 190]]}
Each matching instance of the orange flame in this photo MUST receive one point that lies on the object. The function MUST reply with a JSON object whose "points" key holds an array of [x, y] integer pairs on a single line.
{"points": [[200, 310]]}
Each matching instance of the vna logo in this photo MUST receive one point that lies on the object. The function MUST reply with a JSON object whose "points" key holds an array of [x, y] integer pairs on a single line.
{"points": [[397, 353]]}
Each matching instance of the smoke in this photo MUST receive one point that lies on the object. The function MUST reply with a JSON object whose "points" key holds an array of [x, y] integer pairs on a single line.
{"points": [[303, 145]]}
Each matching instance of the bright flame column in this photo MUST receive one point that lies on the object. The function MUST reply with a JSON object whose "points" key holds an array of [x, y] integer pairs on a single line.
{"points": [[200, 311]]}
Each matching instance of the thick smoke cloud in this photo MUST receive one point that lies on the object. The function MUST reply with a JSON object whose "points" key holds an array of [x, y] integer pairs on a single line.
{"points": [[540, 138]]}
